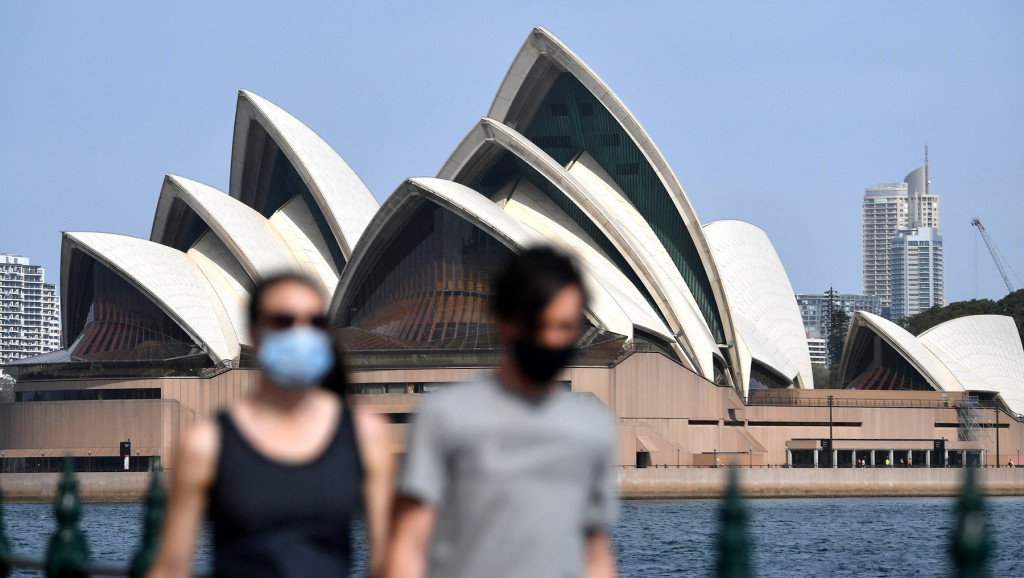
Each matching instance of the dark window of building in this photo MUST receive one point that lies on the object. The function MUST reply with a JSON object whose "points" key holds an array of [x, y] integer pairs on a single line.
{"points": [[557, 141], [891, 371], [559, 109], [431, 285], [191, 229], [643, 459], [627, 169], [763, 378], [123, 324], [89, 394], [588, 126]]}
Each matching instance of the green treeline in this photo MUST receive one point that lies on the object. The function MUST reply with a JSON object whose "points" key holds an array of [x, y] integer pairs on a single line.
{"points": [[1012, 305]]}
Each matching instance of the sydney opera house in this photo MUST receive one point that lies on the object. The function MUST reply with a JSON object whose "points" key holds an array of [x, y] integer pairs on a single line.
{"points": [[693, 337]]}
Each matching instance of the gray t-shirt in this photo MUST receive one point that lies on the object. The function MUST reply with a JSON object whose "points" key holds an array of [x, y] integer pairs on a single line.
{"points": [[516, 484]]}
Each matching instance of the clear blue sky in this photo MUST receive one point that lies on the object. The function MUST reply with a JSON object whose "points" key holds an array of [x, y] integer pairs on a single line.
{"points": [[776, 113]]}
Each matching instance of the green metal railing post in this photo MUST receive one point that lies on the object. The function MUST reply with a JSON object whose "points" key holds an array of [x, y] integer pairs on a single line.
{"points": [[733, 537], [5, 544], [154, 519], [68, 550], [971, 543]]}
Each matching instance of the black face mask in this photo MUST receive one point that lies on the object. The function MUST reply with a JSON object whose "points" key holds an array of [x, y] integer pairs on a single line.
{"points": [[539, 364]]}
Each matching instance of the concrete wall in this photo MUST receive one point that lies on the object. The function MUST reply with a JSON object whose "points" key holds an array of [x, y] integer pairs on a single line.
{"points": [[805, 483], [92, 487], [633, 483], [153, 425], [677, 416]]}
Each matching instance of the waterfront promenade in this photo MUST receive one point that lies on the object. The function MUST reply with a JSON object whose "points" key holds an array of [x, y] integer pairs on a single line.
{"points": [[633, 483]]}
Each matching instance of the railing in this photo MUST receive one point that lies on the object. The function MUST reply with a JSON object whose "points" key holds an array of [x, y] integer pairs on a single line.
{"points": [[969, 548], [68, 554], [950, 402], [849, 402]]}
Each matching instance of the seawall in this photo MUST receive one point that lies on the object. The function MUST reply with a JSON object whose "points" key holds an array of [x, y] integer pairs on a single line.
{"points": [[92, 486], [822, 482], [633, 483]]}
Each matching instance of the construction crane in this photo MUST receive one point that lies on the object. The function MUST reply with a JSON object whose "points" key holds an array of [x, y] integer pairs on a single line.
{"points": [[995, 252]]}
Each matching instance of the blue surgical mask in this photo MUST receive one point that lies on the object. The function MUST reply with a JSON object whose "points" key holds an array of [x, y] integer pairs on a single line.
{"points": [[296, 358]]}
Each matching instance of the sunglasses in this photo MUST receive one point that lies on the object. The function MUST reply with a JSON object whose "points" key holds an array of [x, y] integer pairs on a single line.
{"points": [[286, 320]]}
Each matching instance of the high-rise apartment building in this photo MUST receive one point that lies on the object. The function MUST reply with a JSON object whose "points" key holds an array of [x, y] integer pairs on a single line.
{"points": [[814, 306], [916, 272], [29, 310], [887, 209]]}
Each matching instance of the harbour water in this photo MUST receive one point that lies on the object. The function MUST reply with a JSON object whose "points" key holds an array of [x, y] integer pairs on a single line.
{"points": [[789, 537]]}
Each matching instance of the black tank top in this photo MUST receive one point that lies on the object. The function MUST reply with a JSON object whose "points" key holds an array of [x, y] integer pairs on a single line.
{"points": [[274, 519]]}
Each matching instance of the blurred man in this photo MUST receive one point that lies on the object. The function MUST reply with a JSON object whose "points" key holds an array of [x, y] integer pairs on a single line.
{"points": [[512, 475]]}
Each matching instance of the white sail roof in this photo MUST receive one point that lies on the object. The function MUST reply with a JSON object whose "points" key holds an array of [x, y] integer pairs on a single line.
{"points": [[342, 197], [482, 213], [256, 245], [169, 278], [919, 356], [616, 219], [984, 352], [762, 299], [535, 210], [539, 61]]}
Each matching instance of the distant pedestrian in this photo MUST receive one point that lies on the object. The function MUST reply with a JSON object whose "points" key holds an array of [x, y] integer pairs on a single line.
{"points": [[887, 463]]}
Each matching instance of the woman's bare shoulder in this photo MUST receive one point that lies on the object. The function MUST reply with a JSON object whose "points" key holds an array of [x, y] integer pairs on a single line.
{"points": [[198, 451]]}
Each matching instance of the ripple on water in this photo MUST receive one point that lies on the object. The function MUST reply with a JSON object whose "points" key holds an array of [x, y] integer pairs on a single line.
{"points": [[869, 537]]}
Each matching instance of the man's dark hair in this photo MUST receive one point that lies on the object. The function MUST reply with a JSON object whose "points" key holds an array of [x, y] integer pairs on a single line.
{"points": [[337, 379], [529, 280]]}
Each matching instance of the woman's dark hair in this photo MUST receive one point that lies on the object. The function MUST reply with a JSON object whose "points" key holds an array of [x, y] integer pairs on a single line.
{"points": [[256, 298], [337, 379], [528, 281]]}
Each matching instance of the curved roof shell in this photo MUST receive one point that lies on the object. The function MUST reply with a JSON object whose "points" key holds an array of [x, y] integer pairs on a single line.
{"points": [[977, 353], [345, 202], [984, 353], [166, 276], [607, 218], [761, 296], [256, 245], [535, 210], [545, 66], [474, 208], [908, 346]]}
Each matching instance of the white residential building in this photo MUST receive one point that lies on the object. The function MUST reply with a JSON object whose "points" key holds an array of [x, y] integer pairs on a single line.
{"points": [[818, 349], [887, 209], [29, 310], [916, 272]]}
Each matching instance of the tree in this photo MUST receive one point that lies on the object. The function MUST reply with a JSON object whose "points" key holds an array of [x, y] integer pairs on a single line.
{"points": [[837, 322], [1012, 305], [6, 388], [821, 376]]}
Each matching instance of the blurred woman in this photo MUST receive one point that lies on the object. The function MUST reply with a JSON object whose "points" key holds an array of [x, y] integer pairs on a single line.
{"points": [[281, 474]]}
